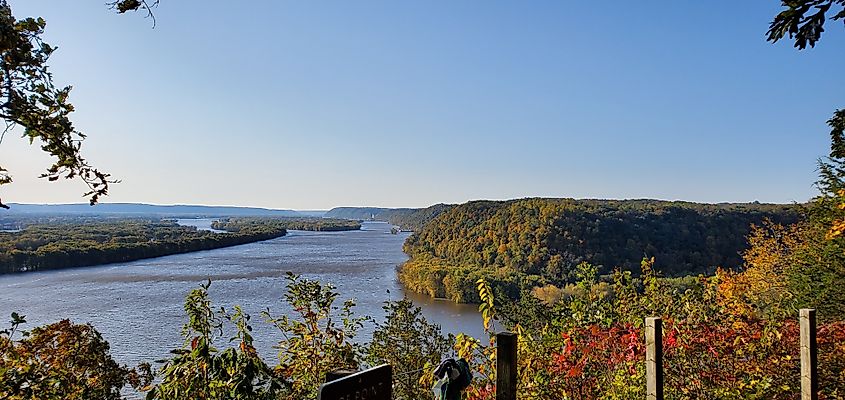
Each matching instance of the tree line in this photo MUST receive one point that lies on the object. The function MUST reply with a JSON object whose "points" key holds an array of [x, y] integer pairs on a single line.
{"points": [[415, 219], [531, 242], [300, 224], [54, 242], [93, 242]]}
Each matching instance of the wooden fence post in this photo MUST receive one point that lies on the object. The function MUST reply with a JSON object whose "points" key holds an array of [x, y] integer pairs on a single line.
{"points": [[809, 355], [654, 358], [506, 368]]}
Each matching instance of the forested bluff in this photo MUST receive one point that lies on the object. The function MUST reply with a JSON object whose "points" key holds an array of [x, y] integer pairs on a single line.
{"points": [[66, 242], [519, 245]]}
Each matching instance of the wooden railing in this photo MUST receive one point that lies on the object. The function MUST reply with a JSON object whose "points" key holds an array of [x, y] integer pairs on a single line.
{"points": [[506, 360], [375, 383]]}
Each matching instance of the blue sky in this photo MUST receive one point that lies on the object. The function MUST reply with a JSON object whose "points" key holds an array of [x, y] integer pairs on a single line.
{"points": [[309, 105]]}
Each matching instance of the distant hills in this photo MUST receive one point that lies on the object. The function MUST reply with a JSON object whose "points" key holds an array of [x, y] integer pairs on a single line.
{"points": [[153, 209], [366, 213], [406, 218]]}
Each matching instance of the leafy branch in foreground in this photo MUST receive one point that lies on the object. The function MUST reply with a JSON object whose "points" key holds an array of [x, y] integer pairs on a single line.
{"points": [[200, 371], [29, 98], [803, 20], [412, 345], [314, 343], [124, 6], [62, 361]]}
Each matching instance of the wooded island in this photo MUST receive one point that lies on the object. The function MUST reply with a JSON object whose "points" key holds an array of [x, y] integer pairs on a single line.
{"points": [[66, 242]]}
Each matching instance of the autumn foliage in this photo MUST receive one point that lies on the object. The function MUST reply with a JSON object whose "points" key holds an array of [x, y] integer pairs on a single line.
{"points": [[710, 351], [62, 361]]}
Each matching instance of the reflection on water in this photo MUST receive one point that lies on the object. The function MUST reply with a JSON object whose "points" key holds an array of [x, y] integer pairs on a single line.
{"points": [[137, 306]]}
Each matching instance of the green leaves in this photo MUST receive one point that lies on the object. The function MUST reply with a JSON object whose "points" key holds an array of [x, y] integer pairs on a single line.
{"points": [[18, 319], [314, 342], [199, 370], [412, 345], [803, 21], [837, 134], [486, 307]]}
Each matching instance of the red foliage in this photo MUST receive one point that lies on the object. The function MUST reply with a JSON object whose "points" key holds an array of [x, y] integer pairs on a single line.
{"points": [[589, 359]]}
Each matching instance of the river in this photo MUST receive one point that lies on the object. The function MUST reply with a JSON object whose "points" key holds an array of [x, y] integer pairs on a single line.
{"points": [[137, 306]]}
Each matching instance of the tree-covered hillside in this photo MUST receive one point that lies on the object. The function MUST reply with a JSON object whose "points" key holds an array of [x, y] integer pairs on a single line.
{"points": [[415, 219], [533, 241]]}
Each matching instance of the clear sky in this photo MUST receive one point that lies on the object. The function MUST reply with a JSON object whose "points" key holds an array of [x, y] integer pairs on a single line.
{"points": [[310, 105]]}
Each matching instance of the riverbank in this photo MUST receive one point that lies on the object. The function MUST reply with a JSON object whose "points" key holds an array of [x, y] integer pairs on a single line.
{"points": [[69, 244]]}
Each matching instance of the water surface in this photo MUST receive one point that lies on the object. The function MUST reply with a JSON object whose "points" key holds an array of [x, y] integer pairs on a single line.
{"points": [[203, 224], [137, 306]]}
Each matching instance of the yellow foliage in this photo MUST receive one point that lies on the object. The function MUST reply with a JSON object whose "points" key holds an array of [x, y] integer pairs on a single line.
{"points": [[762, 287], [838, 226], [836, 230], [548, 294]]}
